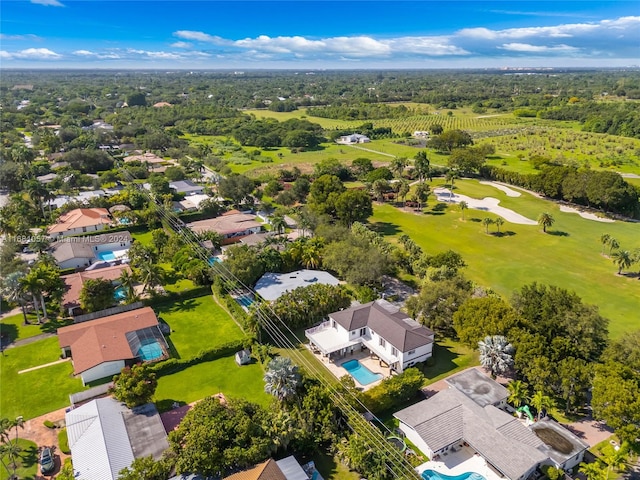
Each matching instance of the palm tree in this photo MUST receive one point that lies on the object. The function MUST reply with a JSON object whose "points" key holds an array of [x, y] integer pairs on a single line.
{"points": [[541, 402], [398, 165], [422, 165], [463, 206], [451, 176], [282, 378], [311, 256], [518, 392], [623, 259], [403, 190], [128, 280], [613, 244], [422, 193], [545, 220], [150, 274], [615, 459], [18, 423], [496, 354], [380, 187], [499, 222], [593, 471], [278, 223], [486, 222], [32, 284], [282, 430], [604, 240], [12, 289]]}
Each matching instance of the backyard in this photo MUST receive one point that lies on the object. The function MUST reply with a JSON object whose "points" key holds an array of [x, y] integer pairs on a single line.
{"points": [[38, 391], [27, 462], [568, 256]]}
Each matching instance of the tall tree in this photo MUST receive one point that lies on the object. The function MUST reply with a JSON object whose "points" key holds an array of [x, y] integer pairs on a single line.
{"points": [[518, 392], [97, 294], [604, 240], [463, 206], [282, 378], [541, 402], [623, 259], [422, 166], [134, 385], [486, 221]]}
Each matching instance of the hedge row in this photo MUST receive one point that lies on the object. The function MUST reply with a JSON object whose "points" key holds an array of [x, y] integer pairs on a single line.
{"points": [[174, 365], [175, 296]]}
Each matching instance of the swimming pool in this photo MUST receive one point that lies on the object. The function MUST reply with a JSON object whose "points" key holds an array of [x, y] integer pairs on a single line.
{"points": [[245, 300], [106, 256], [362, 374], [214, 260], [433, 475], [120, 293], [149, 350]]}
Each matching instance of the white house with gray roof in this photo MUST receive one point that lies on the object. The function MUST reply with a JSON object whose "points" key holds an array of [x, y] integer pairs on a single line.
{"points": [[379, 326], [105, 436], [466, 416]]}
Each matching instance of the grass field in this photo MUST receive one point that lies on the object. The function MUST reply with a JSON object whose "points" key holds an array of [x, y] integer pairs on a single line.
{"points": [[198, 324], [568, 256], [15, 329], [27, 462], [209, 378], [40, 391]]}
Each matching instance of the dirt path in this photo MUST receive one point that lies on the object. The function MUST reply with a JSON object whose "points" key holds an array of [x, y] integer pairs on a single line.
{"points": [[27, 341], [372, 151]]}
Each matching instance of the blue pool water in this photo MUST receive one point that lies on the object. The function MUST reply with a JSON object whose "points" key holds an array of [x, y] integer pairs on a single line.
{"points": [[362, 374], [120, 293], [433, 475], [123, 221], [150, 350], [214, 260], [107, 256], [245, 300]]}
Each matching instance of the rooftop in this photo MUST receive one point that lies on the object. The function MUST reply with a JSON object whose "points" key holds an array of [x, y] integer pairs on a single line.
{"points": [[559, 443], [226, 224], [272, 286], [185, 186], [478, 387], [75, 281], [385, 319], [80, 217], [84, 247], [104, 339]]}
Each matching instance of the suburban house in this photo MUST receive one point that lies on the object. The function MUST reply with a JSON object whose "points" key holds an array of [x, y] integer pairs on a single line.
{"points": [[465, 421], [102, 347], [396, 339], [74, 282], [286, 469], [232, 225], [272, 286], [187, 187], [354, 138], [147, 157], [80, 220], [80, 252], [105, 436]]}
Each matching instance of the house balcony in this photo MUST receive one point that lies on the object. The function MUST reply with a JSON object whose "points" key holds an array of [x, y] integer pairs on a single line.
{"points": [[327, 339]]}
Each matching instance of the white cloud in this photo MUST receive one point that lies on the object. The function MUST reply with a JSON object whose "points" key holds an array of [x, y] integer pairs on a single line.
{"points": [[85, 53], [36, 54], [48, 3], [5, 54], [525, 47], [198, 36], [181, 45], [28, 36]]}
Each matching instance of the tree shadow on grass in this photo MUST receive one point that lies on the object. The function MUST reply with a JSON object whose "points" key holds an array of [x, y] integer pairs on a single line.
{"points": [[53, 325], [186, 305], [168, 404], [508, 233], [474, 219], [385, 228], [441, 362], [8, 333], [557, 233], [173, 351], [440, 207]]}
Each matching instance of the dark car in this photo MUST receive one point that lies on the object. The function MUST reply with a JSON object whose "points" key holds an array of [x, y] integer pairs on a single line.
{"points": [[47, 465]]}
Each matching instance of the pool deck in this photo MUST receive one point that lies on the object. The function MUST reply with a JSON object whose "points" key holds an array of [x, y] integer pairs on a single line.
{"points": [[365, 359], [463, 461]]}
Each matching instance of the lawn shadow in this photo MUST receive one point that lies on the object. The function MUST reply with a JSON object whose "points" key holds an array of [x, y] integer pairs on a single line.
{"points": [[440, 207], [173, 351], [508, 233], [8, 333], [168, 404], [185, 305], [54, 324], [386, 228], [29, 455], [474, 219], [443, 361], [557, 233]]}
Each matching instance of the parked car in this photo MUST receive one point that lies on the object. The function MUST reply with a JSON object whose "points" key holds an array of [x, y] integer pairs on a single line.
{"points": [[47, 465]]}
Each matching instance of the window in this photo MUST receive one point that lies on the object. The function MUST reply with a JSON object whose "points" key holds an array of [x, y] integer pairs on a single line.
{"points": [[353, 333], [382, 342], [363, 331], [411, 352], [333, 324], [394, 352], [84, 229]]}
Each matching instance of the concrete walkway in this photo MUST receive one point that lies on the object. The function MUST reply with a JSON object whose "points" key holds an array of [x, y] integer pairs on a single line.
{"points": [[62, 360], [27, 341], [35, 431]]}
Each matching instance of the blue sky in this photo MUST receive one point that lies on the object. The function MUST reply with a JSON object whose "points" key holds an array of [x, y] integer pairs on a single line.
{"points": [[318, 34]]}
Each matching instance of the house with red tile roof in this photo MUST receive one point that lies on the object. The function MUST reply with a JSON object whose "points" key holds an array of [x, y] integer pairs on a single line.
{"points": [[73, 283], [102, 347], [80, 220], [232, 225]]}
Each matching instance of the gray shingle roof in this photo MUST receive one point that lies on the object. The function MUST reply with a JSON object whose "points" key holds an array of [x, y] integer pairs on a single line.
{"points": [[388, 321], [451, 416], [478, 387]]}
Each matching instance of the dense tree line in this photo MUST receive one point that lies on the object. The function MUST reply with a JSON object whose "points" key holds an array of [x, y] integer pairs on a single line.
{"points": [[371, 111], [604, 190], [613, 118]]}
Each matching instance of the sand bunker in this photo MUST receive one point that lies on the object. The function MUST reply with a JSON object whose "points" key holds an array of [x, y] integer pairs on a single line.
{"points": [[504, 188], [487, 204], [587, 215]]}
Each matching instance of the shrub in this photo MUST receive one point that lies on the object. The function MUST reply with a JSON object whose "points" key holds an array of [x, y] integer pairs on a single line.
{"points": [[49, 424], [63, 441], [393, 391]]}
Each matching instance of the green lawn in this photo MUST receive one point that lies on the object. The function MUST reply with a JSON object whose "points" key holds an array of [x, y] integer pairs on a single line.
{"points": [[15, 329], [331, 468], [569, 256], [40, 391], [27, 462], [209, 378], [197, 324], [449, 357], [143, 237]]}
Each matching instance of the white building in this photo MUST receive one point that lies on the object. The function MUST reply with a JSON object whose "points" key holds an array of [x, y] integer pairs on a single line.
{"points": [[354, 138], [378, 326], [80, 220], [80, 252]]}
